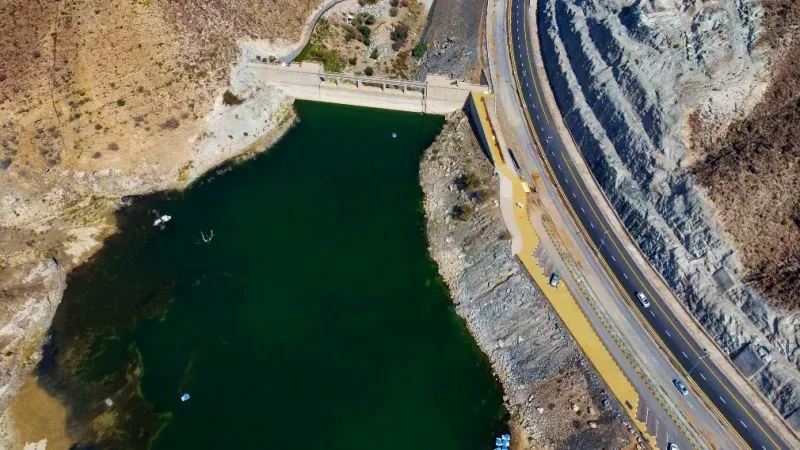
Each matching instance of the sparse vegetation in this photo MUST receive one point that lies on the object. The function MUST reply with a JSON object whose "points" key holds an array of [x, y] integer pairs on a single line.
{"points": [[368, 71], [120, 102], [375, 54]]}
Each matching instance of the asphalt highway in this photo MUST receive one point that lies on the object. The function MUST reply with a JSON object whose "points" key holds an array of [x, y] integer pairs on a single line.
{"points": [[703, 372]]}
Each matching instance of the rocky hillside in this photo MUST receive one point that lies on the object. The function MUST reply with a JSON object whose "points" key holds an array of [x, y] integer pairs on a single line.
{"points": [[752, 173], [554, 396], [645, 86], [101, 100]]}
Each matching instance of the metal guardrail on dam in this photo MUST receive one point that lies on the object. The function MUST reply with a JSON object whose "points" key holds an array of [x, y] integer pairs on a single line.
{"points": [[308, 81], [383, 82]]}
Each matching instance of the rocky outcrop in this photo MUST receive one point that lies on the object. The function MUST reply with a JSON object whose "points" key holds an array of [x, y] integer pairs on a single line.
{"points": [[542, 371], [29, 296], [632, 80]]}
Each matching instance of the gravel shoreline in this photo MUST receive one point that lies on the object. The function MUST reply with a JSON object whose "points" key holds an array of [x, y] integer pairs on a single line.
{"points": [[553, 394]]}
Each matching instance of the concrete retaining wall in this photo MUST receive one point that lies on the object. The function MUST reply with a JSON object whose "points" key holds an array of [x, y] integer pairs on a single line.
{"points": [[308, 81]]}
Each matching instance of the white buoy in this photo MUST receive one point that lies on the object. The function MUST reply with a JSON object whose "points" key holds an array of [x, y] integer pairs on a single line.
{"points": [[185, 397], [394, 135]]}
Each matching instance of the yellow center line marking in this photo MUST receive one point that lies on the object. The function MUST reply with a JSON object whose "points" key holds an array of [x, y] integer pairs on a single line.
{"points": [[532, 67]]}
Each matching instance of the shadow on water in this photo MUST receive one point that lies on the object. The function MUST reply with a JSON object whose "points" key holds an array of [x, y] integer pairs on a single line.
{"points": [[315, 318]]}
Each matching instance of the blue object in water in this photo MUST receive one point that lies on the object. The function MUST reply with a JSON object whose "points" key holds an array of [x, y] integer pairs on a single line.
{"points": [[498, 442], [394, 135], [506, 437], [185, 397]]}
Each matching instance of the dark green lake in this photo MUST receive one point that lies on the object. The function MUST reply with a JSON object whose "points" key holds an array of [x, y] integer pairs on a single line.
{"points": [[314, 318]]}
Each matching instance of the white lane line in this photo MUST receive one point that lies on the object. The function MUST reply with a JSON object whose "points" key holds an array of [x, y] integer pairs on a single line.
{"points": [[613, 259], [573, 195], [591, 225], [623, 274], [743, 424], [566, 181], [685, 355], [702, 376], [583, 210], [654, 359], [559, 166], [723, 400], [652, 313], [665, 331]]}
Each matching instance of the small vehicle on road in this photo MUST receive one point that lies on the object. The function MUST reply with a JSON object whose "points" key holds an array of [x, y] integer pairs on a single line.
{"points": [[554, 279], [643, 300], [681, 387], [672, 446]]}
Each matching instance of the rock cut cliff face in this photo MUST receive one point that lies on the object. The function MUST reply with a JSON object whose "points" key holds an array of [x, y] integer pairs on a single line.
{"points": [[644, 85]]}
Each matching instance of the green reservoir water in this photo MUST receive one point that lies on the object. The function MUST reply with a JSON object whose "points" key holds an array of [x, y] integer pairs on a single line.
{"points": [[314, 318]]}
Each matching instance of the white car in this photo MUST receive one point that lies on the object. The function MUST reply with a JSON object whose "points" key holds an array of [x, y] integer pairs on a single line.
{"points": [[643, 300], [672, 446]]}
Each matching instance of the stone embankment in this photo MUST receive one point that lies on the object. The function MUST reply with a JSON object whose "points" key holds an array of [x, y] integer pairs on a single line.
{"points": [[630, 79], [553, 394]]}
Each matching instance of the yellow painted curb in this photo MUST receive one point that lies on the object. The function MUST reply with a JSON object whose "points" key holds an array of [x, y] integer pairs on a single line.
{"points": [[559, 298]]}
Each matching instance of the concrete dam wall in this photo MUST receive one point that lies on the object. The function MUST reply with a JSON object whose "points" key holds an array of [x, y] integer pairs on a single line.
{"points": [[308, 81]]}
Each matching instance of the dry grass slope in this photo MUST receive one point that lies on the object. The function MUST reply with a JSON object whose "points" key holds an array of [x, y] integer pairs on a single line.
{"points": [[752, 174], [102, 99]]}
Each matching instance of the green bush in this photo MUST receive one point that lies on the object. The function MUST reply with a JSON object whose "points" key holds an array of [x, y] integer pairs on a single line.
{"points": [[374, 54], [120, 102], [420, 50], [368, 71], [462, 212], [369, 20], [393, 11], [393, 2], [349, 33], [367, 42], [315, 51], [365, 31], [352, 61]]}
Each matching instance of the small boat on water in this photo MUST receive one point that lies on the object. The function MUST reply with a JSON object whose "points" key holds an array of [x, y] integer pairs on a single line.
{"points": [[161, 220]]}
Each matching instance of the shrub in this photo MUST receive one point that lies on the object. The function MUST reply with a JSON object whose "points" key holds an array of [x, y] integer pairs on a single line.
{"points": [[350, 33], [466, 181], [272, 59], [365, 31], [230, 99], [113, 147], [140, 89], [419, 50], [462, 212], [393, 2], [367, 42], [404, 3], [171, 123], [374, 54], [393, 11], [369, 20], [368, 71], [96, 155], [353, 61], [120, 102], [399, 36]]}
